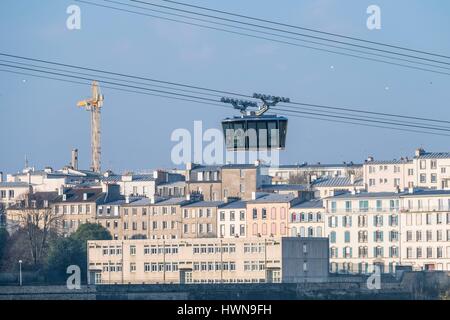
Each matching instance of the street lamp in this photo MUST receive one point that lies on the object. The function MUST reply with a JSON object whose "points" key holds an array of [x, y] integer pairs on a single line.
{"points": [[20, 272]]}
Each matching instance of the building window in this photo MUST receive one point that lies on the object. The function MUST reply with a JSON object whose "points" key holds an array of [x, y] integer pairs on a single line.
{"points": [[433, 178], [255, 213], [332, 237], [347, 236], [363, 206], [133, 250], [423, 178]]}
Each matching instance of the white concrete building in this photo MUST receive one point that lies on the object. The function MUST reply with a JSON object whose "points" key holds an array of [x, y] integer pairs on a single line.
{"points": [[213, 260]]}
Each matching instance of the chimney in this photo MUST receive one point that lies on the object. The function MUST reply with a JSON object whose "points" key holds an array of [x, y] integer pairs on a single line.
{"points": [[189, 166], [60, 191], [127, 199], [152, 200], [353, 191], [419, 152], [352, 179], [369, 159], [411, 190], [188, 197], [48, 169], [85, 196], [74, 161], [112, 191], [253, 195]]}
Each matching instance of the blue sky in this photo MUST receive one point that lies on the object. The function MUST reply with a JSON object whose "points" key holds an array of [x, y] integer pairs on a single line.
{"points": [[39, 118]]}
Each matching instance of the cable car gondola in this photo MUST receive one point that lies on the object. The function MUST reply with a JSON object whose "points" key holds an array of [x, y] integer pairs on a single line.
{"points": [[254, 130]]}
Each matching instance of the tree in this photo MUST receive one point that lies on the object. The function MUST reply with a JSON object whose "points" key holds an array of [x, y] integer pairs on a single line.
{"points": [[17, 248], [4, 236], [72, 251], [33, 214], [299, 178]]}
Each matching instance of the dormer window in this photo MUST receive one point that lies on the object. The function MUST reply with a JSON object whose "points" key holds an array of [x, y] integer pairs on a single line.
{"points": [[64, 197], [85, 196]]}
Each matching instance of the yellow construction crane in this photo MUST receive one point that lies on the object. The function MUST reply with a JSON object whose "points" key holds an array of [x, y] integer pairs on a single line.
{"points": [[94, 105]]}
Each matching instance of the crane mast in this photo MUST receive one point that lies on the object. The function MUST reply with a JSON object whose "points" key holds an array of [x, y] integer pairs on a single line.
{"points": [[94, 105]]}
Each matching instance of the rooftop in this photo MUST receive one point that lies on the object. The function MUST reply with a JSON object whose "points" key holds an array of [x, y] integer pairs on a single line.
{"points": [[13, 184], [274, 198], [434, 155], [315, 203], [76, 195], [284, 187], [337, 182], [235, 205], [204, 204]]}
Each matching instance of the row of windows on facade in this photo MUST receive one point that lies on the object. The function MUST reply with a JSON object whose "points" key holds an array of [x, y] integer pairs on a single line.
{"points": [[232, 230], [430, 218], [363, 236], [397, 169], [275, 279], [273, 213], [306, 232], [428, 235], [363, 206], [196, 249], [394, 205], [73, 209], [306, 217], [360, 267], [256, 231], [430, 253], [396, 181], [232, 216], [3, 194], [377, 221], [363, 252]]}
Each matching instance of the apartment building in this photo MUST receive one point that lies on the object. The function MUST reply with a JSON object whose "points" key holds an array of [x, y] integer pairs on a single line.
{"points": [[200, 219], [425, 229], [166, 220], [144, 185], [111, 216], [424, 170], [204, 180], [387, 229], [227, 181], [232, 220], [34, 208], [307, 219], [241, 180], [171, 189], [11, 192], [213, 260], [267, 214], [364, 231], [81, 205]]}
